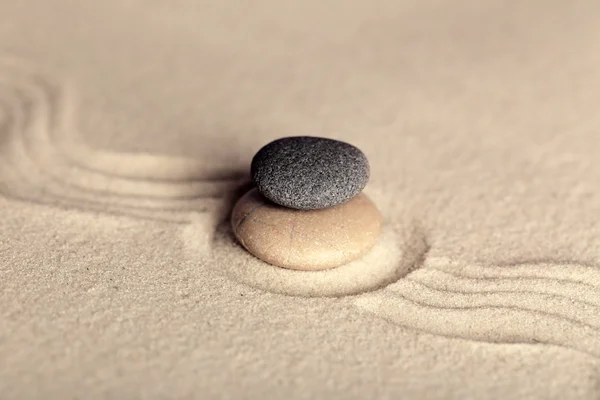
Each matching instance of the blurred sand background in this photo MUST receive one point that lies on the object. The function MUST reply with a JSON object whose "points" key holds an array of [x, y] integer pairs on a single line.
{"points": [[127, 127]]}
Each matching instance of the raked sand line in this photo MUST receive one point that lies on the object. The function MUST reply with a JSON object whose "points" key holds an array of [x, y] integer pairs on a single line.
{"points": [[131, 166], [23, 176], [494, 304], [488, 324], [443, 280], [50, 112], [33, 109], [25, 155], [22, 179], [559, 306], [575, 273]]}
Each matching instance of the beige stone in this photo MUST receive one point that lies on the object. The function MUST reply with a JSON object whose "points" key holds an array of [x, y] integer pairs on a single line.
{"points": [[306, 240]]}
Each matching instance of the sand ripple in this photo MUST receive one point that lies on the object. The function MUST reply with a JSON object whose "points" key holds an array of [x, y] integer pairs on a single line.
{"points": [[528, 303], [44, 159]]}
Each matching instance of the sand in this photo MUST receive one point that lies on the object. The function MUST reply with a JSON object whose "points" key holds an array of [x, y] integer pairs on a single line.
{"points": [[126, 134]]}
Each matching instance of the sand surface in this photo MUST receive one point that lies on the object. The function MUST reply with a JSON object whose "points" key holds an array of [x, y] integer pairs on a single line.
{"points": [[126, 132]]}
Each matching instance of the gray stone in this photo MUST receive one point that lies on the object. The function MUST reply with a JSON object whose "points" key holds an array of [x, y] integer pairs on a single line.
{"points": [[308, 173]]}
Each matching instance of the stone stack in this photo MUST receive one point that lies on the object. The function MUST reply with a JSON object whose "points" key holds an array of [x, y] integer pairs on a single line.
{"points": [[307, 210]]}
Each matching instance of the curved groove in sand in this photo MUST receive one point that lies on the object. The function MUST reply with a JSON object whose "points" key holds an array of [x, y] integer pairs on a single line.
{"points": [[126, 165], [45, 123], [520, 304], [579, 274], [33, 127], [23, 180], [487, 324], [547, 304], [442, 280], [21, 122]]}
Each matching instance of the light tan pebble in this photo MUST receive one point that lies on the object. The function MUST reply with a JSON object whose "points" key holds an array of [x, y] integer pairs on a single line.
{"points": [[306, 240]]}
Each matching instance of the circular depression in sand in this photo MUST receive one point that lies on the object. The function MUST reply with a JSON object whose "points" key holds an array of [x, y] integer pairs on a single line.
{"points": [[400, 248]]}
